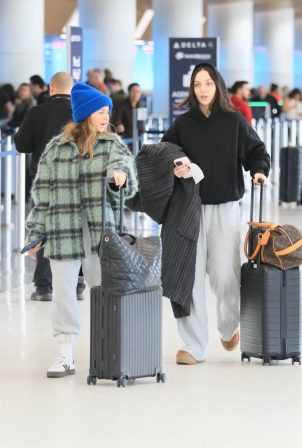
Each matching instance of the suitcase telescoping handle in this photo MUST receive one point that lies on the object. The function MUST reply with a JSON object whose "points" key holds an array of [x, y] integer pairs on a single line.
{"points": [[251, 230], [106, 181], [253, 200]]}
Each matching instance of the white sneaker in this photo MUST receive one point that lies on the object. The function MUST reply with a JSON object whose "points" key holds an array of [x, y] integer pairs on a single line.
{"points": [[61, 367]]}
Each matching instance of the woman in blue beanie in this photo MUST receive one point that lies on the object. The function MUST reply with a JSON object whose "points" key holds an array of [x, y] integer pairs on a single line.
{"points": [[67, 193]]}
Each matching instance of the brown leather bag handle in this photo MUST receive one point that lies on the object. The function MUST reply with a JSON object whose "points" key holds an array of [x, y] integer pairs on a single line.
{"points": [[262, 238], [263, 224], [246, 242], [289, 249]]}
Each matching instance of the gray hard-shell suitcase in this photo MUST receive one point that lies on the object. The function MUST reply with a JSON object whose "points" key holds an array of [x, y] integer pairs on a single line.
{"points": [[271, 309], [126, 328], [291, 174]]}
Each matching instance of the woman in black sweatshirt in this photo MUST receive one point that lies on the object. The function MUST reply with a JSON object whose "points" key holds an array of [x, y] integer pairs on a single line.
{"points": [[221, 142]]}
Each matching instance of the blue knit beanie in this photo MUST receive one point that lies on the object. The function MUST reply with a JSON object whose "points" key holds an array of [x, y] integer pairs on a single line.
{"points": [[85, 100]]}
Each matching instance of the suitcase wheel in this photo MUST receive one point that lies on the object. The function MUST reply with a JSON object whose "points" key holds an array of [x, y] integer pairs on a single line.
{"points": [[244, 356], [267, 361], [161, 377], [122, 381], [91, 380], [296, 359]]}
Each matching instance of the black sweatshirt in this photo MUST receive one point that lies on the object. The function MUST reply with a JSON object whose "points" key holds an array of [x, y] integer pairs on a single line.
{"points": [[41, 124], [220, 145]]}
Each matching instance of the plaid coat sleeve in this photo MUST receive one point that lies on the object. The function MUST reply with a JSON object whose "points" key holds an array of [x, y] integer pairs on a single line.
{"points": [[121, 159], [35, 222]]}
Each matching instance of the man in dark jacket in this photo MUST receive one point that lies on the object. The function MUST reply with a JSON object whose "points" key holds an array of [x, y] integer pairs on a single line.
{"points": [[39, 89], [122, 116], [40, 125], [117, 93]]}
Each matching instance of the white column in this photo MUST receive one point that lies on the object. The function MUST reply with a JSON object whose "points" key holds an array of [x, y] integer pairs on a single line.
{"points": [[172, 18], [21, 40], [233, 23], [274, 35], [298, 53], [108, 34]]}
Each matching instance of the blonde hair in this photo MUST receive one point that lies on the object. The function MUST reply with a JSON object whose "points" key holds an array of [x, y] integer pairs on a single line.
{"points": [[84, 135]]}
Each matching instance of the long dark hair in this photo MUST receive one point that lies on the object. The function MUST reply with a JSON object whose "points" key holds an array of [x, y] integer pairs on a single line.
{"points": [[222, 97]]}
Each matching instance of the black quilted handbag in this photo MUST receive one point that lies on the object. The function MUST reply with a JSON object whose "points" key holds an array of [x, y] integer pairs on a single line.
{"points": [[129, 264]]}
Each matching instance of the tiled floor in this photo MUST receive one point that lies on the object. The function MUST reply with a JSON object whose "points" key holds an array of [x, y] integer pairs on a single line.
{"points": [[220, 403]]}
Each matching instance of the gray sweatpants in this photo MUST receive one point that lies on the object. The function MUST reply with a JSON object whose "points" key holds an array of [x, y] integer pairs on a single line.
{"points": [[65, 309], [218, 255]]}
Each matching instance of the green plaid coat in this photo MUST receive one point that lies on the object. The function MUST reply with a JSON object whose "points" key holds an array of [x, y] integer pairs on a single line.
{"points": [[68, 187]]}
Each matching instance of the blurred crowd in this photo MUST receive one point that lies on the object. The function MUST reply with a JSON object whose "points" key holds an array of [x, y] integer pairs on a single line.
{"points": [[283, 101], [14, 104]]}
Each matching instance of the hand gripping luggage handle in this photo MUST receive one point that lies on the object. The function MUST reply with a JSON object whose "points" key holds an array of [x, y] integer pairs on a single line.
{"points": [[252, 212], [106, 181]]}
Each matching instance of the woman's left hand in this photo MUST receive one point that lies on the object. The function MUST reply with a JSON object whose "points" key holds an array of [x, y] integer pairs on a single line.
{"points": [[258, 177], [119, 178]]}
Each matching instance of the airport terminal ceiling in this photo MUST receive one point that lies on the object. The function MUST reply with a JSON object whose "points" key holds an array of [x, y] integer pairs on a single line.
{"points": [[57, 12]]}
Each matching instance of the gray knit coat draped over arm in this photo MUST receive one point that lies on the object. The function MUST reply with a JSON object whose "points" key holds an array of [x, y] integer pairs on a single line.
{"points": [[174, 203]]}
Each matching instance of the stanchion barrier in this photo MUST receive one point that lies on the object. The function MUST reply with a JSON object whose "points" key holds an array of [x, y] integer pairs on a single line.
{"points": [[300, 133], [268, 136], [138, 115], [5, 154], [276, 152], [268, 145], [8, 185], [284, 139], [21, 200], [293, 133], [0, 176], [260, 128], [12, 159], [129, 141], [157, 124]]}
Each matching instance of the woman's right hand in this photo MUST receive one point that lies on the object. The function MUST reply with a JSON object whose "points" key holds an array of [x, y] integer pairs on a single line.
{"points": [[34, 250], [180, 171]]}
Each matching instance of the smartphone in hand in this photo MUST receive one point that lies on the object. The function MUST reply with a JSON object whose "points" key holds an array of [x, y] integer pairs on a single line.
{"points": [[33, 244], [182, 161]]}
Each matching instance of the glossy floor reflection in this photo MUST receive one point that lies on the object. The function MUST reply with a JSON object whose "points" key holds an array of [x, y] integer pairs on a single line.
{"points": [[221, 403]]}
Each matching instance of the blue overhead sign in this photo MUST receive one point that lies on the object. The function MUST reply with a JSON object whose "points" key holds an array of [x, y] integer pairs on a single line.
{"points": [[185, 54], [75, 55]]}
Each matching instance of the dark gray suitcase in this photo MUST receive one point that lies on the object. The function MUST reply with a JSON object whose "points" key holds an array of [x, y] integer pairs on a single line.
{"points": [[291, 174], [126, 336], [271, 310], [125, 333]]}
